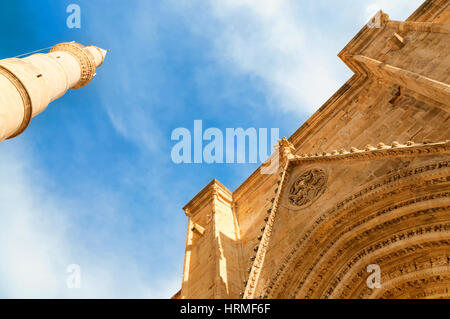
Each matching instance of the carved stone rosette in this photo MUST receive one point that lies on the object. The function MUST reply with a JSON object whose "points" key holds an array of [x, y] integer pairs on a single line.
{"points": [[306, 188]]}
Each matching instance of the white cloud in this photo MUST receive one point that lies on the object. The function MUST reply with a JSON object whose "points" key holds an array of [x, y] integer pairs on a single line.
{"points": [[273, 40], [267, 40], [133, 125], [39, 240]]}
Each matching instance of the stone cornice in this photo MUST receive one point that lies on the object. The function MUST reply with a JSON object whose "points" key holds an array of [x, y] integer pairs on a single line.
{"points": [[415, 82], [370, 152], [206, 195], [361, 41], [428, 10]]}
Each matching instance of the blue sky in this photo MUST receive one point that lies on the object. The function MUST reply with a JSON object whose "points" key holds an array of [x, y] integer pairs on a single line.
{"points": [[91, 182]]}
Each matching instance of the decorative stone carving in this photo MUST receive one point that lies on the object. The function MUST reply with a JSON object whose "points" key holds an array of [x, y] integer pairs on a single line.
{"points": [[84, 58], [286, 148], [307, 187]]}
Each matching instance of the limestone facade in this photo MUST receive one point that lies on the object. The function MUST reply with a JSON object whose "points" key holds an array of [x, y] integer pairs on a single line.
{"points": [[365, 180], [28, 85]]}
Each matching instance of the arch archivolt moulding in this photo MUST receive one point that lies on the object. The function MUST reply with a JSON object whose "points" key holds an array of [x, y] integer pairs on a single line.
{"points": [[394, 263], [436, 280], [440, 275], [395, 259], [404, 184], [360, 247]]}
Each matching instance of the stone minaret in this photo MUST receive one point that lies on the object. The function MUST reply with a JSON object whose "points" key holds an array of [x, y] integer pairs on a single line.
{"points": [[28, 85]]}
